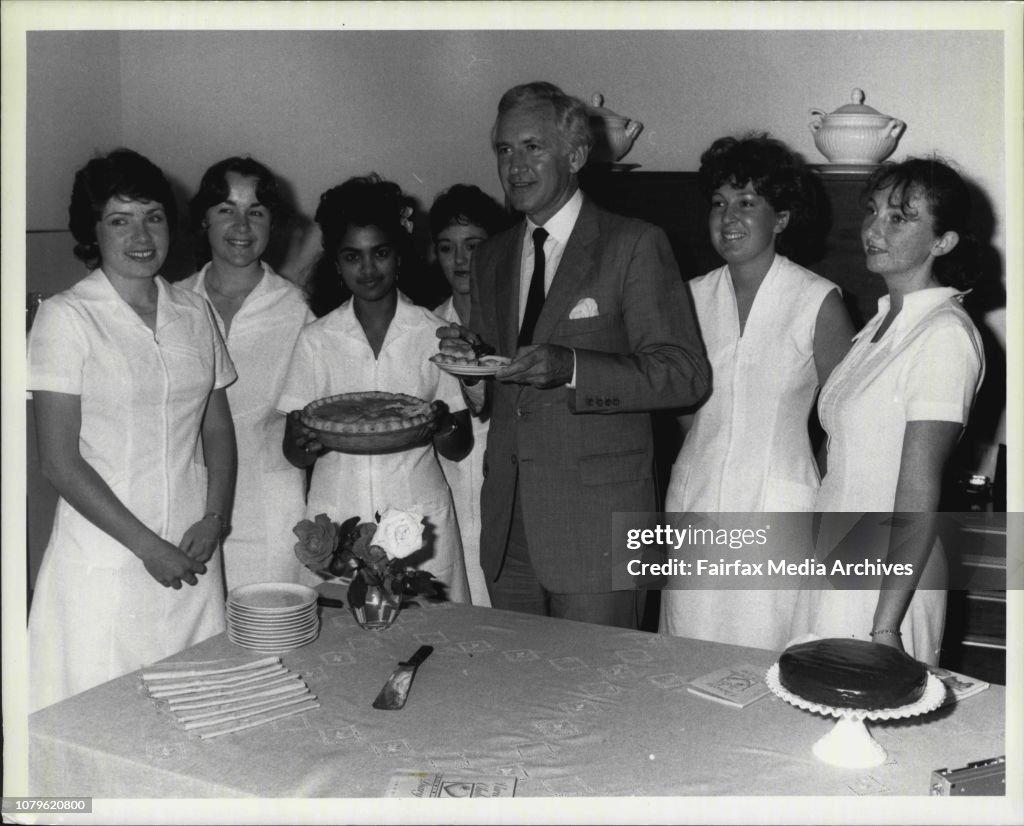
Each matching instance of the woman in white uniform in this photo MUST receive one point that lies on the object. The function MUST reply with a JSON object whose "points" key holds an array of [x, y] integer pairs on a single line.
{"points": [[461, 219], [375, 340], [773, 332], [235, 211], [895, 408], [128, 376]]}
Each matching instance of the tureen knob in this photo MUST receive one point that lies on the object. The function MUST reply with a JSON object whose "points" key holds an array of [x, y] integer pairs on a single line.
{"points": [[857, 96]]}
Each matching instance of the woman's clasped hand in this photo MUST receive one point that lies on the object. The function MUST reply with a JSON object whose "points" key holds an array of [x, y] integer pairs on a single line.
{"points": [[172, 566]]}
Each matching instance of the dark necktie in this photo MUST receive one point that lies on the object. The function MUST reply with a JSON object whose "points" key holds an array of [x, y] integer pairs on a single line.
{"points": [[535, 297]]}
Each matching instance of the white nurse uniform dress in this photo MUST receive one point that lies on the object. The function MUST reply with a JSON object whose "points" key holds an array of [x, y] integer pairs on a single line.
{"points": [[748, 450], [465, 479], [96, 612], [270, 491], [927, 366], [333, 356]]}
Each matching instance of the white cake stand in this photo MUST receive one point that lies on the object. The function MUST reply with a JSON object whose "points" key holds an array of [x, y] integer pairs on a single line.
{"points": [[849, 744]]}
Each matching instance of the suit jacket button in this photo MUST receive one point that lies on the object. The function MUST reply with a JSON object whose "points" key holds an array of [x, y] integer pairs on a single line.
{"points": [[514, 459], [519, 412]]}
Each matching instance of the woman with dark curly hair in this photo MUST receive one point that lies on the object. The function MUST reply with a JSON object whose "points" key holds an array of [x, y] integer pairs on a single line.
{"points": [[376, 340], [895, 407], [234, 213], [773, 332], [128, 377], [461, 219]]}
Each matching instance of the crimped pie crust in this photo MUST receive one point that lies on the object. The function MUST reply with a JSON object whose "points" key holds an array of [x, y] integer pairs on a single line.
{"points": [[371, 411]]}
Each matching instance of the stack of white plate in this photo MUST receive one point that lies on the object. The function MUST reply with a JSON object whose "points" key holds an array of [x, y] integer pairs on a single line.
{"points": [[272, 617]]}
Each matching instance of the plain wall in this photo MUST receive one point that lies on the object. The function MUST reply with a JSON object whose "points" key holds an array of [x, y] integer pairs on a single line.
{"points": [[417, 106]]}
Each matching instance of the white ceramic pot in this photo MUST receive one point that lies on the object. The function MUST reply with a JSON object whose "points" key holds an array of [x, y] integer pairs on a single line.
{"points": [[613, 134], [855, 133]]}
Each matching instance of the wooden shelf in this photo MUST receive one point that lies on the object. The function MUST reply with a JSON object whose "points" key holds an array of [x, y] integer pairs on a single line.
{"points": [[673, 201]]}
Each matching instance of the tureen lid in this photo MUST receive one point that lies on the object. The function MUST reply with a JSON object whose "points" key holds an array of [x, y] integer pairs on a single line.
{"points": [[856, 106]]}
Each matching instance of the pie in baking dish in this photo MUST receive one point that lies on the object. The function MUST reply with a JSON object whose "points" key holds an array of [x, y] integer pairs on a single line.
{"points": [[371, 411]]}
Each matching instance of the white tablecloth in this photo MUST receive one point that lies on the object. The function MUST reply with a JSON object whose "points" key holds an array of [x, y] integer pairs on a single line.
{"points": [[570, 709]]}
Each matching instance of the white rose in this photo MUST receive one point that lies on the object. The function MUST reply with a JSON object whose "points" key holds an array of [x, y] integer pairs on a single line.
{"points": [[399, 533]]}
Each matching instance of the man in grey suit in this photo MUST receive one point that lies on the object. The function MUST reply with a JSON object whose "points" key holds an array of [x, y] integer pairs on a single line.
{"points": [[600, 328]]}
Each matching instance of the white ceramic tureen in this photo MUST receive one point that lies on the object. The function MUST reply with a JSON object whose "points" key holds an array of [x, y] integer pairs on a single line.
{"points": [[613, 134], [855, 133]]}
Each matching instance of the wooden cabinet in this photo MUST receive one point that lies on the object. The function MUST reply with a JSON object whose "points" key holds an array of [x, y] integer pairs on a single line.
{"points": [[673, 201], [974, 641]]}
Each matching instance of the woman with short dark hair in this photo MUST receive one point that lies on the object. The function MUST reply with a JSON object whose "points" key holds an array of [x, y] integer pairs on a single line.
{"points": [[895, 408], [461, 218], [235, 212], [128, 376], [773, 332]]}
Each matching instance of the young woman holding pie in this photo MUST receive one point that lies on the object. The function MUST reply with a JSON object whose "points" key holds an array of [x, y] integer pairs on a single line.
{"points": [[235, 212], [376, 340]]}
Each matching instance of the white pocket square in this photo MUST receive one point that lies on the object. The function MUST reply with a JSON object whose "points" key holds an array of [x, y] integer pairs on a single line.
{"points": [[585, 308]]}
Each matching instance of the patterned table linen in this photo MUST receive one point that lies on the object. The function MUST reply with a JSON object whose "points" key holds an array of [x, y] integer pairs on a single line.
{"points": [[569, 709]]}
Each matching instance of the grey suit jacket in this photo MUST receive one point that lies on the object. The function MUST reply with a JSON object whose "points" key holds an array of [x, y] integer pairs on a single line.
{"points": [[579, 455]]}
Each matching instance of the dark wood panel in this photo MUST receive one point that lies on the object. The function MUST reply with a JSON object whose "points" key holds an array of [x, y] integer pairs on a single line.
{"points": [[670, 200], [673, 201]]}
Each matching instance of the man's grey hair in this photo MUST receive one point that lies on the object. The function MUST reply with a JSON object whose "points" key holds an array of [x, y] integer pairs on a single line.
{"points": [[572, 118]]}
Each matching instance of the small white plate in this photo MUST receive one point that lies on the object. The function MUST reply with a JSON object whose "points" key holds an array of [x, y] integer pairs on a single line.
{"points": [[469, 369], [285, 627], [291, 633], [267, 638], [269, 620], [276, 647], [272, 597]]}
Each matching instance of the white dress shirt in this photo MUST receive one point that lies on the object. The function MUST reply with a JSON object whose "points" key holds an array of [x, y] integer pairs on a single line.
{"points": [[559, 227]]}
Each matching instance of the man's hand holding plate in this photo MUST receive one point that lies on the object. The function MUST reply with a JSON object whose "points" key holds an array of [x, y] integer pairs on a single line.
{"points": [[540, 365]]}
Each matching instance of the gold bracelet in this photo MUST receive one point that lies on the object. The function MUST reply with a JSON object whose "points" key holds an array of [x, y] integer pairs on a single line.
{"points": [[889, 631]]}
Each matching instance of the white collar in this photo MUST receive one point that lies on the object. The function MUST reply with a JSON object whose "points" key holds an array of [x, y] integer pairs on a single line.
{"points": [[916, 305], [262, 286], [560, 225], [406, 315]]}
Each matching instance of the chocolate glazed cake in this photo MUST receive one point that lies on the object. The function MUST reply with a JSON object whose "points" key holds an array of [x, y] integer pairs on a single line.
{"points": [[848, 673]]}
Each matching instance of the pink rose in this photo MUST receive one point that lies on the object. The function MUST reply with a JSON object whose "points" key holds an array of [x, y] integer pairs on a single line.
{"points": [[317, 541], [399, 533]]}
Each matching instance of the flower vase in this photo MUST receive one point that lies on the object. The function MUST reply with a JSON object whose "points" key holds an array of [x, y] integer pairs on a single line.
{"points": [[379, 611]]}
